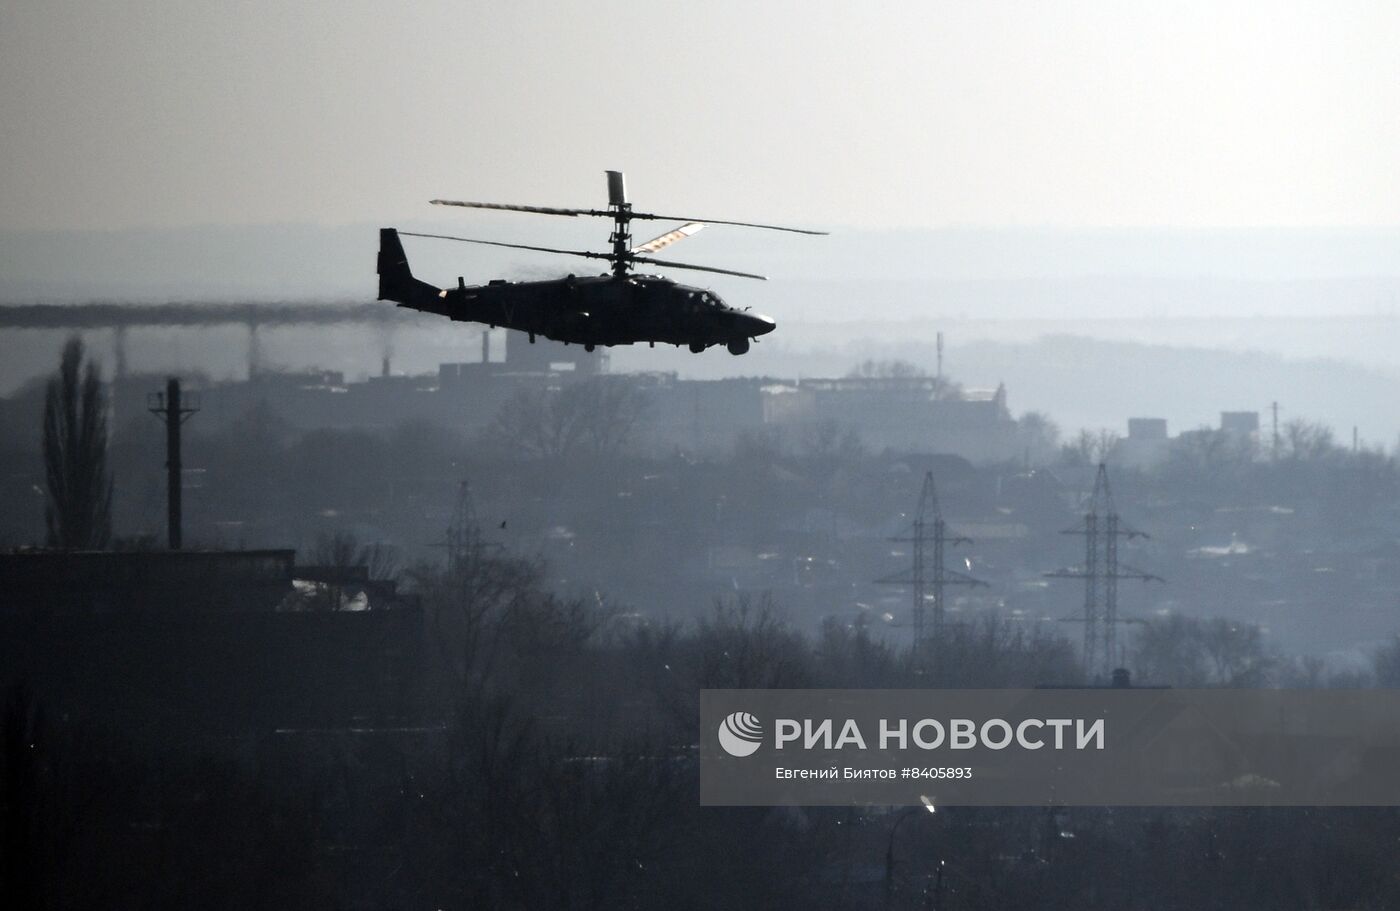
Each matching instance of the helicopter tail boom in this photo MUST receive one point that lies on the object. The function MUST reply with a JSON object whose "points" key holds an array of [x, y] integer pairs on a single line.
{"points": [[396, 281]]}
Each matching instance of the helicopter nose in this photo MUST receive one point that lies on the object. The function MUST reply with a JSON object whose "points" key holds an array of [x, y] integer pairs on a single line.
{"points": [[756, 324]]}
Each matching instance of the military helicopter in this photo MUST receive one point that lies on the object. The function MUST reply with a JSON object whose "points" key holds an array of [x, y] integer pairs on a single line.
{"points": [[616, 308]]}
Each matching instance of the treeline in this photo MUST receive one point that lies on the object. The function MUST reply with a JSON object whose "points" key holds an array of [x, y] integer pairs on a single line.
{"points": [[560, 772], [1214, 466]]}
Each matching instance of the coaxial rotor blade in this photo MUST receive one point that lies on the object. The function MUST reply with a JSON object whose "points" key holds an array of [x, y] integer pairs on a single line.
{"points": [[497, 243], [670, 237], [716, 221], [674, 265], [606, 213], [538, 210]]}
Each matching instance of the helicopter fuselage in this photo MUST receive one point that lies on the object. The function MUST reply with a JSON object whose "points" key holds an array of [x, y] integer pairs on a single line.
{"points": [[583, 310]]}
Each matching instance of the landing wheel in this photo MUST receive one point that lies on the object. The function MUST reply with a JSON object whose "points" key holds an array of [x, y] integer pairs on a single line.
{"points": [[739, 346], [588, 348], [696, 348]]}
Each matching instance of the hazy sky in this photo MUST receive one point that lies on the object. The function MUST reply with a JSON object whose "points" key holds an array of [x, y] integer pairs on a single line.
{"points": [[1098, 112]]}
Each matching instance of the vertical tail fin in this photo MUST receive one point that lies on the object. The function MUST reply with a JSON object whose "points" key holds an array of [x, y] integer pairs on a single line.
{"points": [[396, 281]]}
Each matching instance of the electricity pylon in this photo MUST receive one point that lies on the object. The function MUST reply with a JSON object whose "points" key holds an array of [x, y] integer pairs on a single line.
{"points": [[929, 576], [1102, 528], [463, 534]]}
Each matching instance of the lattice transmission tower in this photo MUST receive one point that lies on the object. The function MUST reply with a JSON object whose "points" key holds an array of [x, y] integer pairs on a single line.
{"points": [[928, 577], [1102, 529], [463, 534]]}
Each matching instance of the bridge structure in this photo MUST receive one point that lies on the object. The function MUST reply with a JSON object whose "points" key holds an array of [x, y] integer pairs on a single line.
{"points": [[121, 317]]}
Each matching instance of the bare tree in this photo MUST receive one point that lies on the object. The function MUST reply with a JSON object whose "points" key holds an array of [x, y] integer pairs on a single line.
{"points": [[1307, 440], [1189, 651], [995, 651], [470, 607], [343, 550], [890, 369], [593, 417], [745, 644], [1235, 650], [530, 422], [943, 388], [79, 508], [1209, 463], [1090, 447], [1168, 650]]}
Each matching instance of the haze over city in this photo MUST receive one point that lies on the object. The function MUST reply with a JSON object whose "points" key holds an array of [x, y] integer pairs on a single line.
{"points": [[347, 567], [1059, 163]]}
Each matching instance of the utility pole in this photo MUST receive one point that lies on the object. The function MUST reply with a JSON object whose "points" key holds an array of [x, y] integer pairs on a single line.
{"points": [[169, 408], [1101, 528], [940, 356], [925, 575]]}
